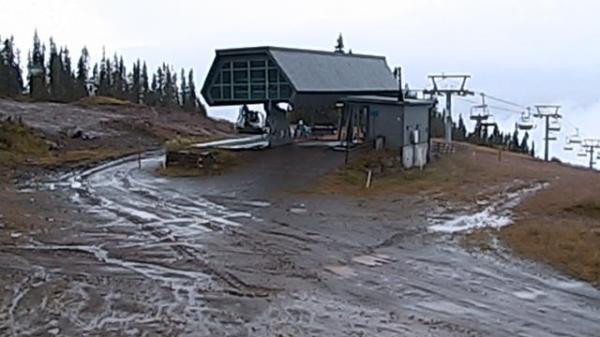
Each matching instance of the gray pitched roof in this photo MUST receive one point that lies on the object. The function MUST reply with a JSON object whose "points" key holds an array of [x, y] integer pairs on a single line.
{"points": [[318, 71]]}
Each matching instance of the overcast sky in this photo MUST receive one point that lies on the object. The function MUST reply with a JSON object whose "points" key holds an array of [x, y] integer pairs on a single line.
{"points": [[529, 51]]}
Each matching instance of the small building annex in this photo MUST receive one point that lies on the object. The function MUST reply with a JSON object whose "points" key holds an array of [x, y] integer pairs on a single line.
{"points": [[402, 124]]}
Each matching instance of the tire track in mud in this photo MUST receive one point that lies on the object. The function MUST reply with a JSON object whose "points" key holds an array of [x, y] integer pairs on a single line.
{"points": [[160, 219]]}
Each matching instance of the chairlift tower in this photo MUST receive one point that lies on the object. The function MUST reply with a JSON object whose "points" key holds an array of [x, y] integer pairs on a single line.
{"points": [[591, 146], [482, 117], [448, 92], [548, 112]]}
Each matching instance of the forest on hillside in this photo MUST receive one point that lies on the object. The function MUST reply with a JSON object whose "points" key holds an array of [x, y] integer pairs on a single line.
{"points": [[482, 136], [52, 76]]}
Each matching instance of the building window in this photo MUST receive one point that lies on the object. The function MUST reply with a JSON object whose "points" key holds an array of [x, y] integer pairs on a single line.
{"points": [[257, 76], [256, 79], [258, 92], [215, 92], [257, 64], [240, 65], [226, 77], [240, 92], [240, 77]]}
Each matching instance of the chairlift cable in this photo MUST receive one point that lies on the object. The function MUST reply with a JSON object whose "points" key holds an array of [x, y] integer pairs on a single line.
{"points": [[505, 101]]}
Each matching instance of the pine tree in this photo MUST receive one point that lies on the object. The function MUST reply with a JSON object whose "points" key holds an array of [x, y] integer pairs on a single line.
{"points": [[38, 88], [82, 74], [152, 99], [160, 80], [339, 47], [524, 147], [3, 74], [192, 99], [184, 91], [462, 129], [11, 80], [55, 70], [168, 92], [95, 80], [104, 78], [514, 146], [532, 152], [136, 83], [122, 87], [68, 78], [145, 84]]}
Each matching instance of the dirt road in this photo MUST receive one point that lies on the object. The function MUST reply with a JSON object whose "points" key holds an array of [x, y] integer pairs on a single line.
{"points": [[243, 255]]}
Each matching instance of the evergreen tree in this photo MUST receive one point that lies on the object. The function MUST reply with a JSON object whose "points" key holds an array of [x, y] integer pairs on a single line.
{"points": [[38, 87], [11, 80], [104, 78], [54, 72], [462, 129], [193, 105], [160, 80], [514, 144], [145, 84], [339, 47], [68, 77], [95, 80], [168, 92], [532, 151], [136, 83], [524, 147], [82, 74], [153, 96], [184, 91]]}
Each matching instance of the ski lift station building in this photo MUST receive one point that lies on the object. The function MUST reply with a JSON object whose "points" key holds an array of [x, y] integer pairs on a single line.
{"points": [[360, 89]]}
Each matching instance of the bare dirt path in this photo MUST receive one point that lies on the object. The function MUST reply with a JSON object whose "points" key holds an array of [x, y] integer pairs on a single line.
{"points": [[238, 255]]}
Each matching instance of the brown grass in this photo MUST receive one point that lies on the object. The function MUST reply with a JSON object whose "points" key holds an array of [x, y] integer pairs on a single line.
{"points": [[180, 143], [458, 177], [103, 100], [19, 143], [569, 243], [81, 157], [225, 160]]}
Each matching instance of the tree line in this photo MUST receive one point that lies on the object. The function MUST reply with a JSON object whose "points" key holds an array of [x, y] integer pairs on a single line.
{"points": [[482, 136], [53, 78]]}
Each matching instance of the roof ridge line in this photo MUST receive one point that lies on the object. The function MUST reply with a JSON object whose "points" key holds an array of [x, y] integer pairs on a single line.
{"points": [[300, 50]]}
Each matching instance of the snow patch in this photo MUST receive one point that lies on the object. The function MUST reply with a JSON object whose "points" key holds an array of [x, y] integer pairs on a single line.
{"points": [[497, 215]]}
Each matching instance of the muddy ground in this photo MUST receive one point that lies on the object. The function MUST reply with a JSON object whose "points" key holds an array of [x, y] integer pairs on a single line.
{"points": [[112, 249], [244, 254]]}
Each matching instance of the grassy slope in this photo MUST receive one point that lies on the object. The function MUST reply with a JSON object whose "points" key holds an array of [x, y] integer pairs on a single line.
{"points": [[559, 225]]}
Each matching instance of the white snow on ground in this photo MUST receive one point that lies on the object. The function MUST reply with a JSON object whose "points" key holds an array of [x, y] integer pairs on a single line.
{"points": [[483, 219], [498, 214]]}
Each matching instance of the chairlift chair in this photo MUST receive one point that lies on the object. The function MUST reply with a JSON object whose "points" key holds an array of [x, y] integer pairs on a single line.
{"points": [[568, 147], [576, 138], [480, 112], [582, 153], [554, 125], [525, 122]]}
